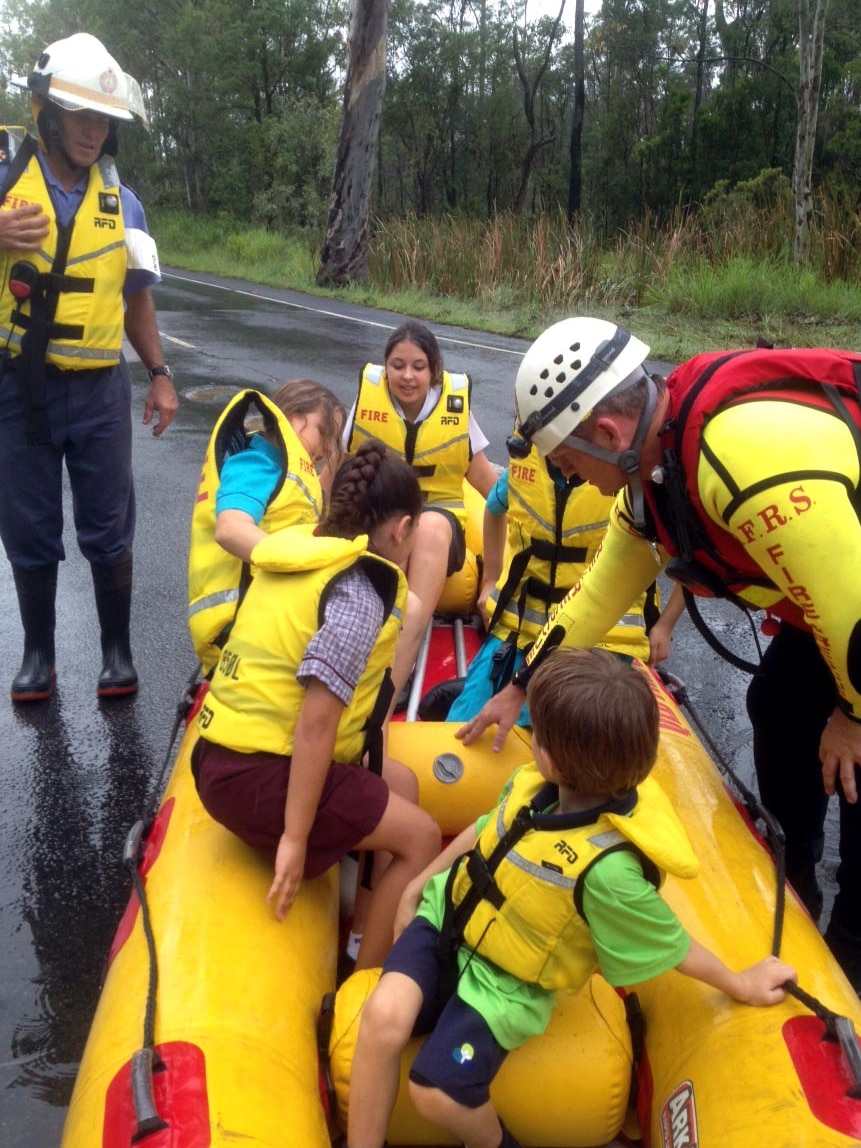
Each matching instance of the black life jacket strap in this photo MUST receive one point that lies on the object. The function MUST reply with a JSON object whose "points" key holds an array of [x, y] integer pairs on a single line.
{"points": [[18, 165], [546, 551], [456, 918], [44, 300]]}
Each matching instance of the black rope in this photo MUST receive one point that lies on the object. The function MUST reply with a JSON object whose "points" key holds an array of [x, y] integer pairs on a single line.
{"points": [[146, 1060], [714, 641], [131, 857], [837, 1028], [186, 701]]}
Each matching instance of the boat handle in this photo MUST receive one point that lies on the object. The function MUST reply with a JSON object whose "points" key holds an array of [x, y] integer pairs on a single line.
{"points": [[131, 849], [842, 1029], [147, 1119]]}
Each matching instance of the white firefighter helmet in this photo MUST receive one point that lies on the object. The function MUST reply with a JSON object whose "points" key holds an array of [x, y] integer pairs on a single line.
{"points": [[79, 73], [565, 373]]}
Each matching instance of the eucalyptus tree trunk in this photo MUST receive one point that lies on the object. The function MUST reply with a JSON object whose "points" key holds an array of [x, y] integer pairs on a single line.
{"points": [[575, 142], [344, 257], [810, 46], [537, 139]]}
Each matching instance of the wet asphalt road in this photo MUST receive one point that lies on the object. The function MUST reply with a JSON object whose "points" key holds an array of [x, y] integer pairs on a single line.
{"points": [[75, 774]]}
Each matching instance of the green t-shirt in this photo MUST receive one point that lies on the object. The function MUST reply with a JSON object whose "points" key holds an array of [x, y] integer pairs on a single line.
{"points": [[635, 933]]}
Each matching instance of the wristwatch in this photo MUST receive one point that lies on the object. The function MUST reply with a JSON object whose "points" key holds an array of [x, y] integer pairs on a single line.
{"points": [[163, 370]]}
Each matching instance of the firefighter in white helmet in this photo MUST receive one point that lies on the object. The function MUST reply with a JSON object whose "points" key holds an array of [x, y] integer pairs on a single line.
{"points": [[76, 268], [738, 475]]}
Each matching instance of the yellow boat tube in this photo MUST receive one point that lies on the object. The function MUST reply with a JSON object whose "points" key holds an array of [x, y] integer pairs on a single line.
{"points": [[235, 1009], [712, 1073]]}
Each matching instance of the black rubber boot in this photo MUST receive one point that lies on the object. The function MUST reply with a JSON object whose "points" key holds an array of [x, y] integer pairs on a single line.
{"points": [[113, 587], [37, 592]]}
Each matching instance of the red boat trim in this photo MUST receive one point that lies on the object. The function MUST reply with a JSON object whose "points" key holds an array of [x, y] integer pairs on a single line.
{"points": [[824, 1075], [152, 849], [181, 1100]]}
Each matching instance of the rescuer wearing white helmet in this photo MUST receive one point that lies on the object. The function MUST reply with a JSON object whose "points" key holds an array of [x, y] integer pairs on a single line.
{"points": [[565, 374], [741, 474], [76, 268]]}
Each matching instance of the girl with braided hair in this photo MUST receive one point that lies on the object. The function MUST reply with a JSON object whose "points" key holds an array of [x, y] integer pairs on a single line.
{"points": [[301, 691]]}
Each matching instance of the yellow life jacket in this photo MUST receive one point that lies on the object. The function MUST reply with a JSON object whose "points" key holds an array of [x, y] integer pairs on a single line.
{"points": [[553, 534], [254, 698], [437, 448], [86, 327], [521, 913], [217, 581]]}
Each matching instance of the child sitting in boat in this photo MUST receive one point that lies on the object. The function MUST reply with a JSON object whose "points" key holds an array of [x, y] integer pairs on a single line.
{"points": [[553, 525], [250, 486], [424, 414], [301, 690], [560, 877]]}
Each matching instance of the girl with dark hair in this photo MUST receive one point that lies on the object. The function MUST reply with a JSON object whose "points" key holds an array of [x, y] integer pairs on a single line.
{"points": [[422, 412], [301, 691]]}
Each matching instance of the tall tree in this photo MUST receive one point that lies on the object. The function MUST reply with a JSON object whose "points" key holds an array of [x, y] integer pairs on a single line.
{"points": [[811, 39], [575, 149], [344, 257], [538, 136]]}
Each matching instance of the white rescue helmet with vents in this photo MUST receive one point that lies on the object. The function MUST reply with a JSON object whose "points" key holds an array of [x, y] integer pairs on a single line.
{"points": [[565, 373], [78, 74]]}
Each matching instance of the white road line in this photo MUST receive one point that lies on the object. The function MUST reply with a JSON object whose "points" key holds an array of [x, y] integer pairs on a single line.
{"points": [[332, 314], [179, 342]]}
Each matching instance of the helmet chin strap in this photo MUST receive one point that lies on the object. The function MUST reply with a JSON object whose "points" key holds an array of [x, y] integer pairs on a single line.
{"points": [[627, 460]]}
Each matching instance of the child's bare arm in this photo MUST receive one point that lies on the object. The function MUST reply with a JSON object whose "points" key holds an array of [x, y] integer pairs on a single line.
{"points": [[412, 894], [238, 533], [761, 984]]}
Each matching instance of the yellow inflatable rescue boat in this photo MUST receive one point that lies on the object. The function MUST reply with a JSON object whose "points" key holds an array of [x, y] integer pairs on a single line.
{"points": [[206, 1032], [702, 1071]]}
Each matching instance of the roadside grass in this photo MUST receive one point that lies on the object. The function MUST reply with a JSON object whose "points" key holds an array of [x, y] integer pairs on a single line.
{"points": [[720, 279]]}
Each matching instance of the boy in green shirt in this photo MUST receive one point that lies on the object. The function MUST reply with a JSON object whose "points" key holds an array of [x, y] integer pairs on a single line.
{"points": [[562, 875]]}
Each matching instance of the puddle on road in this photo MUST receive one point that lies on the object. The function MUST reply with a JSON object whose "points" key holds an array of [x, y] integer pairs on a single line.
{"points": [[212, 395]]}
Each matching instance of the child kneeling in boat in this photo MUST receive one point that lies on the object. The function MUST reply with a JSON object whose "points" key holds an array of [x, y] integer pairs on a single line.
{"points": [[562, 875]]}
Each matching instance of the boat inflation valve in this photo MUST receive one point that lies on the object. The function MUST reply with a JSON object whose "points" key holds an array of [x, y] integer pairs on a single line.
{"points": [[448, 768]]}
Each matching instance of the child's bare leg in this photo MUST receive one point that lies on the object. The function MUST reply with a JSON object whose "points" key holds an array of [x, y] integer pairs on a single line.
{"points": [[401, 780], [477, 1127], [413, 838], [426, 576], [384, 1029], [407, 648]]}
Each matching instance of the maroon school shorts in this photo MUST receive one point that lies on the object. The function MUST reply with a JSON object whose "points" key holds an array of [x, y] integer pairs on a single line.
{"points": [[246, 793]]}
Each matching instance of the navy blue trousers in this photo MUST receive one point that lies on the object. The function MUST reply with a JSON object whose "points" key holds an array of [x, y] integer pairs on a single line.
{"points": [[89, 424]]}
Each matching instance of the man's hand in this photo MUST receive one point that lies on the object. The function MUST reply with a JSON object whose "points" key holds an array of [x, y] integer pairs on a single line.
{"points": [[162, 400], [23, 228], [502, 710], [840, 754]]}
